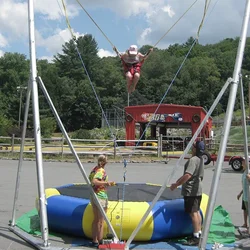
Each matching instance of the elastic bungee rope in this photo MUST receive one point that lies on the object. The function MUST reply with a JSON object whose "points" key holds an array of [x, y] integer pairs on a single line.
{"points": [[123, 194], [98, 100], [164, 96], [207, 3]]}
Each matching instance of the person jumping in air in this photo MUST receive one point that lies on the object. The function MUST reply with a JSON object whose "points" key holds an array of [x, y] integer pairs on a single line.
{"points": [[132, 61]]}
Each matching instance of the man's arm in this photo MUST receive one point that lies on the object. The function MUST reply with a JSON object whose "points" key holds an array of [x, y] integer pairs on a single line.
{"points": [[181, 181]]}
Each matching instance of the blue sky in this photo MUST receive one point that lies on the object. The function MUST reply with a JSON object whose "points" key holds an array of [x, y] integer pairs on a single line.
{"points": [[124, 22]]}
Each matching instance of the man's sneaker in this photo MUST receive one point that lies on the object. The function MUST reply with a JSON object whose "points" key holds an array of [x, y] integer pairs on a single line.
{"points": [[192, 242]]}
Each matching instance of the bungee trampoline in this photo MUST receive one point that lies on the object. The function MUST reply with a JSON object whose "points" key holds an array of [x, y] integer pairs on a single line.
{"points": [[69, 211]]}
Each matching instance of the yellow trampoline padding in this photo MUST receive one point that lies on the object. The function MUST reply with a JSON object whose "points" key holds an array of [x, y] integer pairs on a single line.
{"points": [[48, 193], [51, 192], [204, 203], [123, 214]]}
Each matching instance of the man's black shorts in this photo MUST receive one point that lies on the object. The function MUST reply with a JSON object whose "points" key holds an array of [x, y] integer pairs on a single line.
{"points": [[192, 203], [243, 206]]}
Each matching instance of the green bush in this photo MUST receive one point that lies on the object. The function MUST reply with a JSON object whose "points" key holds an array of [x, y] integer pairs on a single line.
{"points": [[107, 133], [5, 124], [81, 134], [99, 134], [48, 126], [18, 132]]}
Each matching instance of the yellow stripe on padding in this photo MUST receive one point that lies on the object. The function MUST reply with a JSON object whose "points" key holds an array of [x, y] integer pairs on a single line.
{"points": [[48, 193], [51, 192], [153, 184], [204, 203], [126, 215]]}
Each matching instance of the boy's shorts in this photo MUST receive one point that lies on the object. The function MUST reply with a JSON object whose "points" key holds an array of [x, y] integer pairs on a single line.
{"points": [[103, 202], [243, 207], [246, 205], [192, 203]]}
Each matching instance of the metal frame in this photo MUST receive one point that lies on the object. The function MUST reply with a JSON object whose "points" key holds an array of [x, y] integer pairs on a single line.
{"points": [[187, 149], [33, 89], [224, 137], [226, 128]]}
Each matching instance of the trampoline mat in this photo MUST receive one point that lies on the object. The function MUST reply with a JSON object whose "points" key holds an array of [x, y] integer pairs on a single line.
{"points": [[127, 192]]}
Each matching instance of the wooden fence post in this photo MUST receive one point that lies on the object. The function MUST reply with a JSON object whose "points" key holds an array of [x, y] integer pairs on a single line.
{"points": [[62, 146], [115, 148], [159, 146], [12, 143]]}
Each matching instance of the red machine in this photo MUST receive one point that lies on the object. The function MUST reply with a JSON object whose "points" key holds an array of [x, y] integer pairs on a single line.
{"points": [[165, 116]]}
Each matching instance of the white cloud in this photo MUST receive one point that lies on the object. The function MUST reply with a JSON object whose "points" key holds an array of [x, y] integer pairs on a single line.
{"points": [[152, 19], [213, 30], [48, 58], [3, 41], [53, 43], [1, 53], [13, 18], [124, 8], [53, 9], [105, 53], [169, 10], [143, 37]]}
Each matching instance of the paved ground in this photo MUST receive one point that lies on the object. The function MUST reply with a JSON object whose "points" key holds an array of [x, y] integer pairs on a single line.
{"points": [[57, 173]]}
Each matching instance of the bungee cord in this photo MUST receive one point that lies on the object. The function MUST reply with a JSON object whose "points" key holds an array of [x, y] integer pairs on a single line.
{"points": [[123, 194], [67, 20], [164, 96], [182, 64], [177, 165], [95, 24], [207, 3], [85, 69], [168, 89], [99, 102], [113, 46]]}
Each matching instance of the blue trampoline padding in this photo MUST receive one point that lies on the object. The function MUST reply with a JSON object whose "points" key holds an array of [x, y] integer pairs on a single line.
{"points": [[170, 219], [69, 210]]}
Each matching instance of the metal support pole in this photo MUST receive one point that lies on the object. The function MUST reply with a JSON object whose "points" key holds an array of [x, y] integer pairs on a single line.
{"points": [[163, 187], [76, 156], [226, 129], [20, 162], [20, 108], [244, 126], [20, 88], [248, 100], [37, 128]]}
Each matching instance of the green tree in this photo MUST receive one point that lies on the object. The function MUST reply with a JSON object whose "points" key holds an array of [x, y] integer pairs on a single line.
{"points": [[48, 126], [110, 83], [77, 103], [69, 63], [14, 72]]}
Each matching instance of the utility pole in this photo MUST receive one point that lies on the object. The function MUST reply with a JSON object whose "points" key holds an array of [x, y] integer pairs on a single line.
{"points": [[248, 80], [20, 88], [248, 101]]}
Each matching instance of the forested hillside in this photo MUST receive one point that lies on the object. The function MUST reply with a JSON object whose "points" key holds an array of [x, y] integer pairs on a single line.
{"points": [[76, 92]]}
